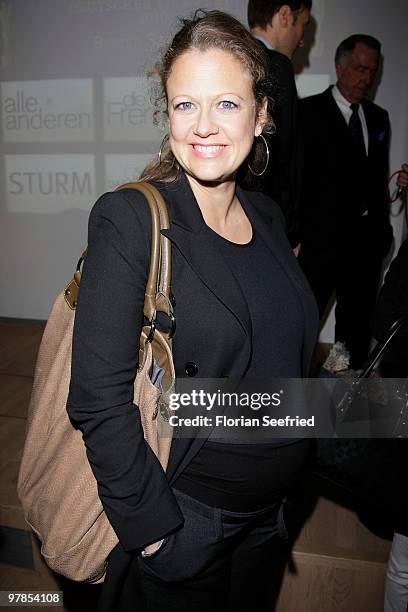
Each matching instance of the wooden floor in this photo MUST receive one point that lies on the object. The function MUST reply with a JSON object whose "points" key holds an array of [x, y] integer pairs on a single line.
{"points": [[337, 564]]}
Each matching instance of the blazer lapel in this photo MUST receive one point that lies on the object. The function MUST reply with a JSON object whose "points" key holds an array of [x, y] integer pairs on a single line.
{"points": [[189, 233], [275, 240]]}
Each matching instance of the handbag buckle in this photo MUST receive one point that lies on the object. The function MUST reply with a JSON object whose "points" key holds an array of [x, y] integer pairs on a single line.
{"points": [[152, 331]]}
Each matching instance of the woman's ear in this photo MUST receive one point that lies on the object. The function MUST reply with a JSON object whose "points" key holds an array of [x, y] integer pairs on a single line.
{"points": [[262, 116]]}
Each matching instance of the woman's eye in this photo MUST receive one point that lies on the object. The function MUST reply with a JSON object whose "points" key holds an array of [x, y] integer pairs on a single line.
{"points": [[184, 106], [227, 105]]}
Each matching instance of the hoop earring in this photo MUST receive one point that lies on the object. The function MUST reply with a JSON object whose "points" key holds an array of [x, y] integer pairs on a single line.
{"points": [[163, 142], [267, 158]]}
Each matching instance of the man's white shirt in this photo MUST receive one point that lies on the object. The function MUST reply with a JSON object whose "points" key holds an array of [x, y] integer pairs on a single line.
{"points": [[344, 106]]}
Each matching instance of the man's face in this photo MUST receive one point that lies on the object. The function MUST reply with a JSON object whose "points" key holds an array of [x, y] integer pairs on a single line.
{"points": [[296, 30], [356, 76]]}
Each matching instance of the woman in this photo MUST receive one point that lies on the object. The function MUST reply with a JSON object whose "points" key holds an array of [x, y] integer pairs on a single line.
{"points": [[200, 536]]}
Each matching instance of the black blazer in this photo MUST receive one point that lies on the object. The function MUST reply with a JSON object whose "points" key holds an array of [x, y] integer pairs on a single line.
{"points": [[283, 177], [338, 184], [213, 331]]}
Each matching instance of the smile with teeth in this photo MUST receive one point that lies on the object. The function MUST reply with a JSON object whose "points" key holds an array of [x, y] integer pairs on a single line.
{"points": [[208, 150]]}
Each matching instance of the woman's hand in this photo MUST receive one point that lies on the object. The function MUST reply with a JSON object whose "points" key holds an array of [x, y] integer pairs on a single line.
{"points": [[296, 249], [151, 548]]}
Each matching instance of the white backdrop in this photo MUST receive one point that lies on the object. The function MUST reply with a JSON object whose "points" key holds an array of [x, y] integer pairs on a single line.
{"points": [[76, 115]]}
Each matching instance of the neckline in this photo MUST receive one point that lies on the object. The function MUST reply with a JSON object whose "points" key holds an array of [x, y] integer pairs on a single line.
{"points": [[239, 245]]}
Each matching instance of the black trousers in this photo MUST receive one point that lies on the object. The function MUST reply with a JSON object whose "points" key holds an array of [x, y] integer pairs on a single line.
{"points": [[220, 561], [353, 273]]}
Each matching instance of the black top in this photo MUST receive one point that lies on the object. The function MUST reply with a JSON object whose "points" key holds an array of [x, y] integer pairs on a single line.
{"points": [[277, 320], [276, 314], [239, 476]]}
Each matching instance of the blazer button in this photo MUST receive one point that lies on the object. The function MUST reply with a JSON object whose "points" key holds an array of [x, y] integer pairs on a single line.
{"points": [[191, 368]]}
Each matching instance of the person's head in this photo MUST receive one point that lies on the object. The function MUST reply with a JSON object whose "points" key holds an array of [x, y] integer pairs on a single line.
{"points": [[214, 77], [356, 60], [282, 24]]}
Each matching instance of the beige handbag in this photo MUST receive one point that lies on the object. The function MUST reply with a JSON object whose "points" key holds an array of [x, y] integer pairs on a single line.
{"points": [[56, 486]]}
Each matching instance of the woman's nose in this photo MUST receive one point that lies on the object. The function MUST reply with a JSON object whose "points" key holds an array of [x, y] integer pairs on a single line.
{"points": [[205, 125]]}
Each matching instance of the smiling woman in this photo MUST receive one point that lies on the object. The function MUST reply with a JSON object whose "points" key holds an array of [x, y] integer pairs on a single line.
{"points": [[240, 89], [202, 536]]}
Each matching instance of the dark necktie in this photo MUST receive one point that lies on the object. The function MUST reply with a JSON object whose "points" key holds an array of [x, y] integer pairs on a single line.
{"points": [[356, 129]]}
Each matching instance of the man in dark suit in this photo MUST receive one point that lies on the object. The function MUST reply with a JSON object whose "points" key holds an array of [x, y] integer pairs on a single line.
{"points": [[279, 26], [345, 228]]}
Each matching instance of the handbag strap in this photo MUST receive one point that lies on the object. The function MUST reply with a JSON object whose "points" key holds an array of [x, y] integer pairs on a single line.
{"points": [[158, 297], [158, 287]]}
